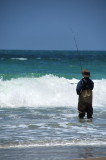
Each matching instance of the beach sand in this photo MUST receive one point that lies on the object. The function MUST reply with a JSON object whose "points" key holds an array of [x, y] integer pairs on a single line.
{"points": [[104, 158], [54, 153]]}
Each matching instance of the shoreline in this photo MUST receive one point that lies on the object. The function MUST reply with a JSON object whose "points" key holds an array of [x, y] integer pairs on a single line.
{"points": [[55, 153], [98, 158]]}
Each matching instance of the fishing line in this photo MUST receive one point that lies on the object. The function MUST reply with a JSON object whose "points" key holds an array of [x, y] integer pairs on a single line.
{"points": [[79, 56]]}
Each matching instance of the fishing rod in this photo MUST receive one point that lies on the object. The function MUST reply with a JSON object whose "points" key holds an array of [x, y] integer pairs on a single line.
{"points": [[79, 56]]}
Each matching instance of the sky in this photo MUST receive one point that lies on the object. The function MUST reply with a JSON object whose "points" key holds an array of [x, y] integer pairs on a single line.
{"points": [[53, 24]]}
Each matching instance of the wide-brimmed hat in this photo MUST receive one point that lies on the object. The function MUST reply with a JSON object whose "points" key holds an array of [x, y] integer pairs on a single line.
{"points": [[86, 73]]}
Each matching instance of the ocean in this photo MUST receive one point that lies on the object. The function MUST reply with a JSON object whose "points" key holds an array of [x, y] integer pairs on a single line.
{"points": [[38, 105]]}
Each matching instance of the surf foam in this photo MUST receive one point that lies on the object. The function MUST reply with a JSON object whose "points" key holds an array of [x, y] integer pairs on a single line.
{"points": [[21, 59], [46, 91]]}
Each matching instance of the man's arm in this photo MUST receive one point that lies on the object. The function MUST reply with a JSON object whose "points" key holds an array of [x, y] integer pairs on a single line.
{"points": [[92, 85], [79, 87]]}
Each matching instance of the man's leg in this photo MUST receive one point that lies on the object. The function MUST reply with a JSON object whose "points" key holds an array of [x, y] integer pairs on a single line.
{"points": [[81, 109], [89, 111], [81, 114]]}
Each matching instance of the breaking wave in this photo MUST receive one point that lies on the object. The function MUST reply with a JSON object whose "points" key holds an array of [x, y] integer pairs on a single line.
{"points": [[46, 91]]}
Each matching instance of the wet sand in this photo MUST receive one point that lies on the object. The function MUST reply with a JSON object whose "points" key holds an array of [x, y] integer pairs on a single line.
{"points": [[104, 158], [54, 153]]}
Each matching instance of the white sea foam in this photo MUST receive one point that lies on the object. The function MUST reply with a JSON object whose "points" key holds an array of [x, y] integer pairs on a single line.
{"points": [[55, 143], [21, 59], [46, 91]]}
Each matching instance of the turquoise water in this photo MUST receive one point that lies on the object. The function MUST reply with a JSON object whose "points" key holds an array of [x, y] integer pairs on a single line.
{"points": [[66, 64], [38, 101]]}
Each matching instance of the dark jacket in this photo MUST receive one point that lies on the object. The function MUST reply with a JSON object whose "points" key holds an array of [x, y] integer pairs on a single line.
{"points": [[84, 84]]}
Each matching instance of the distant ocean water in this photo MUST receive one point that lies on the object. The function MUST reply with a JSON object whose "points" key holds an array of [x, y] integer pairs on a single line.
{"points": [[38, 101]]}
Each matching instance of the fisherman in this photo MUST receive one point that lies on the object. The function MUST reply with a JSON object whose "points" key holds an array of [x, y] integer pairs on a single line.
{"points": [[84, 90]]}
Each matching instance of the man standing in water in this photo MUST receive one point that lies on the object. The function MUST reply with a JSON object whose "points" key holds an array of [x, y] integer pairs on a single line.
{"points": [[84, 90]]}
